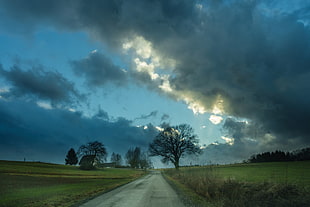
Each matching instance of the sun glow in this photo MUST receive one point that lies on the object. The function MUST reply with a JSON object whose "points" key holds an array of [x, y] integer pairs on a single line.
{"points": [[215, 119], [228, 140], [218, 106], [159, 69], [159, 128]]}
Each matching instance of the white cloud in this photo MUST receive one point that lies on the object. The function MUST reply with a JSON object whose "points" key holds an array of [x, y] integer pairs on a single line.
{"points": [[215, 119], [149, 68], [218, 106], [4, 90], [94, 51], [215, 143], [142, 47], [165, 86], [44, 105], [228, 140], [199, 6], [71, 110], [159, 128], [193, 105]]}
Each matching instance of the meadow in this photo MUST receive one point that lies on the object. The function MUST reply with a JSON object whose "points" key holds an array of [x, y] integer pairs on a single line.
{"points": [[33, 184], [259, 184]]}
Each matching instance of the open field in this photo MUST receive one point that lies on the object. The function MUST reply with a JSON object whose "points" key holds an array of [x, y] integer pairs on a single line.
{"points": [[34, 184], [259, 184], [277, 172]]}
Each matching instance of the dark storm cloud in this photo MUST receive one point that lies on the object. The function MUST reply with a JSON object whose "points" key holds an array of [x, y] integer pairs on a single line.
{"points": [[108, 20], [101, 114], [251, 55], [147, 116], [257, 64], [245, 139], [99, 70], [42, 84], [56, 131]]}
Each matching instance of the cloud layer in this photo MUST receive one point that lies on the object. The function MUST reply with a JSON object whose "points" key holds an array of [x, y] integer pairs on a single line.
{"points": [[247, 59], [98, 70], [38, 83], [29, 131]]}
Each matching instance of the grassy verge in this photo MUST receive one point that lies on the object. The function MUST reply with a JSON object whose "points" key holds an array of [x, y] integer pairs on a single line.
{"points": [[28, 184], [188, 196], [264, 184]]}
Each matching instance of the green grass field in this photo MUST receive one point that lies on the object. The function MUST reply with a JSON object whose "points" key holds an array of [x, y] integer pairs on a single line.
{"points": [[34, 184], [259, 184], [277, 172]]}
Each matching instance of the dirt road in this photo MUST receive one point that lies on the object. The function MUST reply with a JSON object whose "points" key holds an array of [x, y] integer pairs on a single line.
{"points": [[151, 190]]}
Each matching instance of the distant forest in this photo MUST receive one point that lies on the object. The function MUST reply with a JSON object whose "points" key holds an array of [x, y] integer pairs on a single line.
{"points": [[280, 156]]}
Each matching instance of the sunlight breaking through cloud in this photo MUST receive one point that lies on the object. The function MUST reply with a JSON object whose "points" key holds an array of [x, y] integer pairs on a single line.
{"points": [[148, 61], [215, 119], [228, 140], [159, 128], [218, 107]]}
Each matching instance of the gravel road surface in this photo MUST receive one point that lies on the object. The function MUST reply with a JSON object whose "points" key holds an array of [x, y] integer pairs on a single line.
{"points": [[149, 191]]}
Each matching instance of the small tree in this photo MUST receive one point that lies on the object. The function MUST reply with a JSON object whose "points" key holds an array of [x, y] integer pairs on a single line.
{"points": [[145, 162], [133, 157], [71, 158], [137, 158], [117, 159], [173, 143]]}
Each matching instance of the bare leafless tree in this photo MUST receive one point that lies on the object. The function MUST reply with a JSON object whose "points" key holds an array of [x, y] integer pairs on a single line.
{"points": [[97, 149], [173, 143]]}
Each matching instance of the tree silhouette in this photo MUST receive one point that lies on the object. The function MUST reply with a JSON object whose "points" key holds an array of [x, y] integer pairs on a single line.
{"points": [[173, 143], [144, 161], [117, 159], [280, 156], [137, 158], [133, 157], [96, 149], [71, 158]]}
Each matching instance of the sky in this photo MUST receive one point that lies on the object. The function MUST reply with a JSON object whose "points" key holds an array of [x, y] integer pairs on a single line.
{"points": [[115, 71]]}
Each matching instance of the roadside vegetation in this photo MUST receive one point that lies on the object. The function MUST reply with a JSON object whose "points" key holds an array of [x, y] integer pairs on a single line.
{"points": [[241, 185], [35, 184]]}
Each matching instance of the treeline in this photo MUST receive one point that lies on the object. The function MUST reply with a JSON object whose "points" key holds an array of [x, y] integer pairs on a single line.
{"points": [[138, 159], [94, 154], [280, 156]]}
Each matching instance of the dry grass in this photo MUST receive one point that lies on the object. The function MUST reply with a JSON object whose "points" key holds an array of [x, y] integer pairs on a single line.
{"points": [[218, 190]]}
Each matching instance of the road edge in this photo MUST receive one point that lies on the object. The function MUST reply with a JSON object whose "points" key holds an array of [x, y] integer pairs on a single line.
{"points": [[104, 192], [188, 197]]}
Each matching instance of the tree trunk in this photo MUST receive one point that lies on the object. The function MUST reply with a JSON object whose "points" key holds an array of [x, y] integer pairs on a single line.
{"points": [[176, 164]]}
